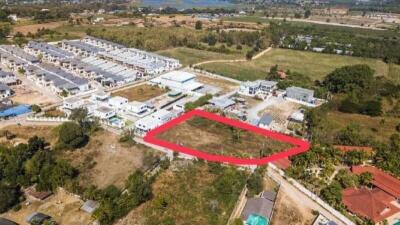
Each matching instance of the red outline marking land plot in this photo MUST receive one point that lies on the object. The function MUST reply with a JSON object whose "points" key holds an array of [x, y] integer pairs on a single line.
{"points": [[298, 145]]}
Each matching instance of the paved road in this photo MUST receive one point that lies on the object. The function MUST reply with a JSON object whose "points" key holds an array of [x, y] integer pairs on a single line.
{"points": [[301, 198]]}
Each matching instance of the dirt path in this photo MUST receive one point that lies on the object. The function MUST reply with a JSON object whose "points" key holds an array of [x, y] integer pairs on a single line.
{"points": [[233, 60]]}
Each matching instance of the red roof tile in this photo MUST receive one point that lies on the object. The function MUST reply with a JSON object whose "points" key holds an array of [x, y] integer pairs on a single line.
{"points": [[381, 179], [373, 204], [282, 163], [347, 148]]}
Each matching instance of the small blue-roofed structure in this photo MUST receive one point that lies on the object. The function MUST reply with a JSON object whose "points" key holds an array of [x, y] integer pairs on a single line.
{"points": [[255, 219], [15, 111]]}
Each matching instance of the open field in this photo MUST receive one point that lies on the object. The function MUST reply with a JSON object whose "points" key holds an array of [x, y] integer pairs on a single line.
{"points": [[62, 206], [190, 194], [216, 138], [33, 28], [104, 161], [140, 93], [314, 65], [379, 127], [189, 56]]}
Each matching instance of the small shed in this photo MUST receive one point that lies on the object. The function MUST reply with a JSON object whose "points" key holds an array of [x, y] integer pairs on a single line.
{"points": [[37, 218], [90, 206], [265, 121], [4, 221], [262, 206]]}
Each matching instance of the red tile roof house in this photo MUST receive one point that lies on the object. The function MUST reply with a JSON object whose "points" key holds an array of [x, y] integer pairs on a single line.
{"points": [[379, 203]]}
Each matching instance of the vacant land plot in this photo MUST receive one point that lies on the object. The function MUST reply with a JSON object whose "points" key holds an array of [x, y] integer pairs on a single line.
{"points": [[217, 138], [140, 93], [189, 56], [105, 161], [26, 95], [287, 211], [314, 65], [62, 206], [190, 194], [33, 28]]}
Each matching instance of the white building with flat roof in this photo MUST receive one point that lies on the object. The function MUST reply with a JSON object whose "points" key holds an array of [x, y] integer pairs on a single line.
{"points": [[152, 121], [178, 81], [137, 108], [104, 112], [118, 103], [72, 103]]}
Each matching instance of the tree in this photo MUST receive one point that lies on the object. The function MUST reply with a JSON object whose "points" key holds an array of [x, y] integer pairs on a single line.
{"points": [[365, 178], [355, 157], [8, 197], [198, 25], [36, 108], [249, 54], [79, 115], [349, 78], [307, 13], [255, 184], [71, 136], [139, 188], [333, 194]]}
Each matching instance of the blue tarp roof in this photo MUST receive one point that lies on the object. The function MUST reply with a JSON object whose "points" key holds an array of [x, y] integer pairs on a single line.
{"points": [[15, 111]]}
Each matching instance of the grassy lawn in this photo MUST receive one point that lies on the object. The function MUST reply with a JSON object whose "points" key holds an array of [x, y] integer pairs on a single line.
{"points": [[190, 194], [140, 93], [216, 138], [314, 65], [189, 56]]}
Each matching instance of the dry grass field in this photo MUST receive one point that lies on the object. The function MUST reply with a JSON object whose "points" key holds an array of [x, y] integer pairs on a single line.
{"points": [[140, 93], [314, 65], [216, 138], [189, 193], [104, 161], [33, 28]]}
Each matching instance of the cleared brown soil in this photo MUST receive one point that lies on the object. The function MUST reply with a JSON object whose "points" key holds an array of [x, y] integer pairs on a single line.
{"points": [[26, 95], [288, 211], [216, 138], [140, 93]]}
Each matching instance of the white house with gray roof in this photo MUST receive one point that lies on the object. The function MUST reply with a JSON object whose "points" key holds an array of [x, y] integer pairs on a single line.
{"points": [[300, 94], [258, 87]]}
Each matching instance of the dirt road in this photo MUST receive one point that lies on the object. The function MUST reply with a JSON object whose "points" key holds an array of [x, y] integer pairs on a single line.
{"points": [[233, 60]]}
